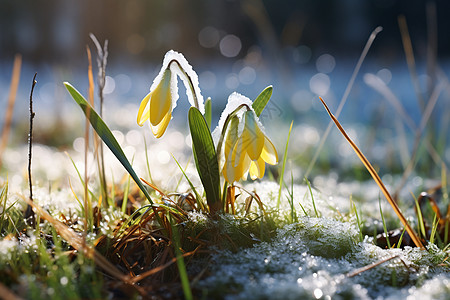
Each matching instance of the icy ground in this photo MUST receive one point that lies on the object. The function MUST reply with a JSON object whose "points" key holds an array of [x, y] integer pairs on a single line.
{"points": [[309, 259]]}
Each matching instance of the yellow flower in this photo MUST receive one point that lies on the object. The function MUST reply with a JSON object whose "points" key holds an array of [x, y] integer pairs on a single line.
{"points": [[157, 105], [247, 152]]}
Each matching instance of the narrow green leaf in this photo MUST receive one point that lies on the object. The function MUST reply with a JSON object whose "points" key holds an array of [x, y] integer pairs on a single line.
{"points": [[197, 196], [261, 101], [284, 165], [205, 158], [208, 113], [106, 135], [184, 278]]}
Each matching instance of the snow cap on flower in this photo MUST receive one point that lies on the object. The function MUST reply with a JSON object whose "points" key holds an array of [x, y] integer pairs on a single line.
{"points": [[159, 103], [245, 147]]}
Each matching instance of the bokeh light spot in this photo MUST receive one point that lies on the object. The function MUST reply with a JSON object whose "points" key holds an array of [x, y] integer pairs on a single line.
{"points": [[110, 85], [320, 84], [325, 63], [208, 37], [247, 75], [230, 45], [385, 75], [207, 80], [302, 54], [232, 81]]}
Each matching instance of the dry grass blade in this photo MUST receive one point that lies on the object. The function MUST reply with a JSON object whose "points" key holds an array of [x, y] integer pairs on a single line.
{"points": [[371, 266], [15, 77], [377, 179], [407, 46], [78, 243], [6, 293]]}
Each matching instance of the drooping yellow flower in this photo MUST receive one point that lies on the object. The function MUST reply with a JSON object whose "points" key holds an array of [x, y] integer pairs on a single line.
{"points": [[158, 104], [253, 148], [246, 149]]}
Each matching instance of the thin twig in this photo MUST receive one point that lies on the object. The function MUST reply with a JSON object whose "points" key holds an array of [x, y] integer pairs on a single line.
{"points": [[29, 214], [371, 266], [344, 97], [15, 77], [102, 55]]}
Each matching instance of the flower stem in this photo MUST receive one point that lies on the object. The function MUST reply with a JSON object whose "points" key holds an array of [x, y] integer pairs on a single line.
{"points": [[191, 85]]}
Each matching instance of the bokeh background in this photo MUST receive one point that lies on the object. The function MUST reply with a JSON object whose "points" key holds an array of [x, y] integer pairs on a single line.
{"points": [[305, 49]]}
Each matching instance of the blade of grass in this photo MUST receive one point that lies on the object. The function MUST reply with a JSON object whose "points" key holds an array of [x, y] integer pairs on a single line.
{"points": [[284, 165], [377, 179], [108, 138], [386, 235], [262, 100], [3, 198], [79, 174], [312, 197], [420, 220], [434, 229], [358, 222], [197, 196], [399, 243], [180, 260], [125, 195], [208, 112]]}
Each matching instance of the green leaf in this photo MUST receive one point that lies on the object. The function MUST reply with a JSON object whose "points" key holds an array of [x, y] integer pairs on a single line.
{"points": [[208, 113], [106, 135], [261, 101], [205, 158]]}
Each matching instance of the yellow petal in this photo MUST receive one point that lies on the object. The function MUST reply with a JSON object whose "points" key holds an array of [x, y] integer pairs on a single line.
{"points": [[252, 136], [257, 169], [160, 128], [231, 136], [242, 169], [269, 153], [143, 113], [161, 99], [233, 172]]}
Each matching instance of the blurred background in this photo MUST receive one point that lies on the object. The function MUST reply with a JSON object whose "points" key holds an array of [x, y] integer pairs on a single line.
{"points": [[304, 48]]}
